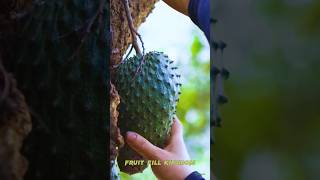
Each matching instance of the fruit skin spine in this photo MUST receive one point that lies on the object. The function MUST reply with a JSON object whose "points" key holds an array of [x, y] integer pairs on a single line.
{"points": [[149, 96]]}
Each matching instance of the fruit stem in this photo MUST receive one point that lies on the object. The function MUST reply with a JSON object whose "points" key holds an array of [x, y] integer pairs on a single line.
{"points": [[132, 29]]}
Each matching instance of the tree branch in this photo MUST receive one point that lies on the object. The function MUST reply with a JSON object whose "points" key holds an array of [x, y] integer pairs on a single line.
{"points": [[132, 29]]}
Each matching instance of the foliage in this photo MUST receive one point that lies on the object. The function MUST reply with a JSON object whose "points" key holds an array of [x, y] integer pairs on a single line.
{"points": [[195, 97]]}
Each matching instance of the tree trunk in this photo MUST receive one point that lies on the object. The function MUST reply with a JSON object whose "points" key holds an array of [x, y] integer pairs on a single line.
{"points": [[15, 125], [15, 120], [58, 52]]}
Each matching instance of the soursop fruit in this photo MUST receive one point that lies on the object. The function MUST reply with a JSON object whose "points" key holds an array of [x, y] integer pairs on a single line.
{"points": [[149, 91]]}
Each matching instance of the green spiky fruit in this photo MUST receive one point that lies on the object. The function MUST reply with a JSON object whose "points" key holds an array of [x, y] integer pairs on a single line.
{"points": [[149, 91]]}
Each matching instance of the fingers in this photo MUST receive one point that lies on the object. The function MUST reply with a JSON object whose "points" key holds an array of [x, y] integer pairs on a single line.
{"points": [[149, 151], [176, 134], [143, 146], [176, 129], [175, 142]]}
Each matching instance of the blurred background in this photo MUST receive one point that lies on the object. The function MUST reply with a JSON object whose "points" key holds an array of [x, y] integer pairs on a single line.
{"points": [[271, 125], [174, 34]]}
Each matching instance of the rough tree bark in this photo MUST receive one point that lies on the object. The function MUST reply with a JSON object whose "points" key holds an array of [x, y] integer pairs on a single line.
{"points": [[15, 124], [15, 120], [121, 39]]}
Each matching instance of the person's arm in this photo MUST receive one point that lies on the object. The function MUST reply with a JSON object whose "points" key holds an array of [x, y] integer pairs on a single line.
{"points": [[199, 13], [175, 150], [179, 5], [197, 10]]}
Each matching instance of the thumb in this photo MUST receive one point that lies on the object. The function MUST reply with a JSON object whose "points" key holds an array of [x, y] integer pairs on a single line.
{"points": [[176, 134], [177, 128], [142, 146], [176, 142]]}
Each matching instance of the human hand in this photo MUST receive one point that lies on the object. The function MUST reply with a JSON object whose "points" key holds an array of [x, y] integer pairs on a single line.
{"points": [[175, 150]]}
